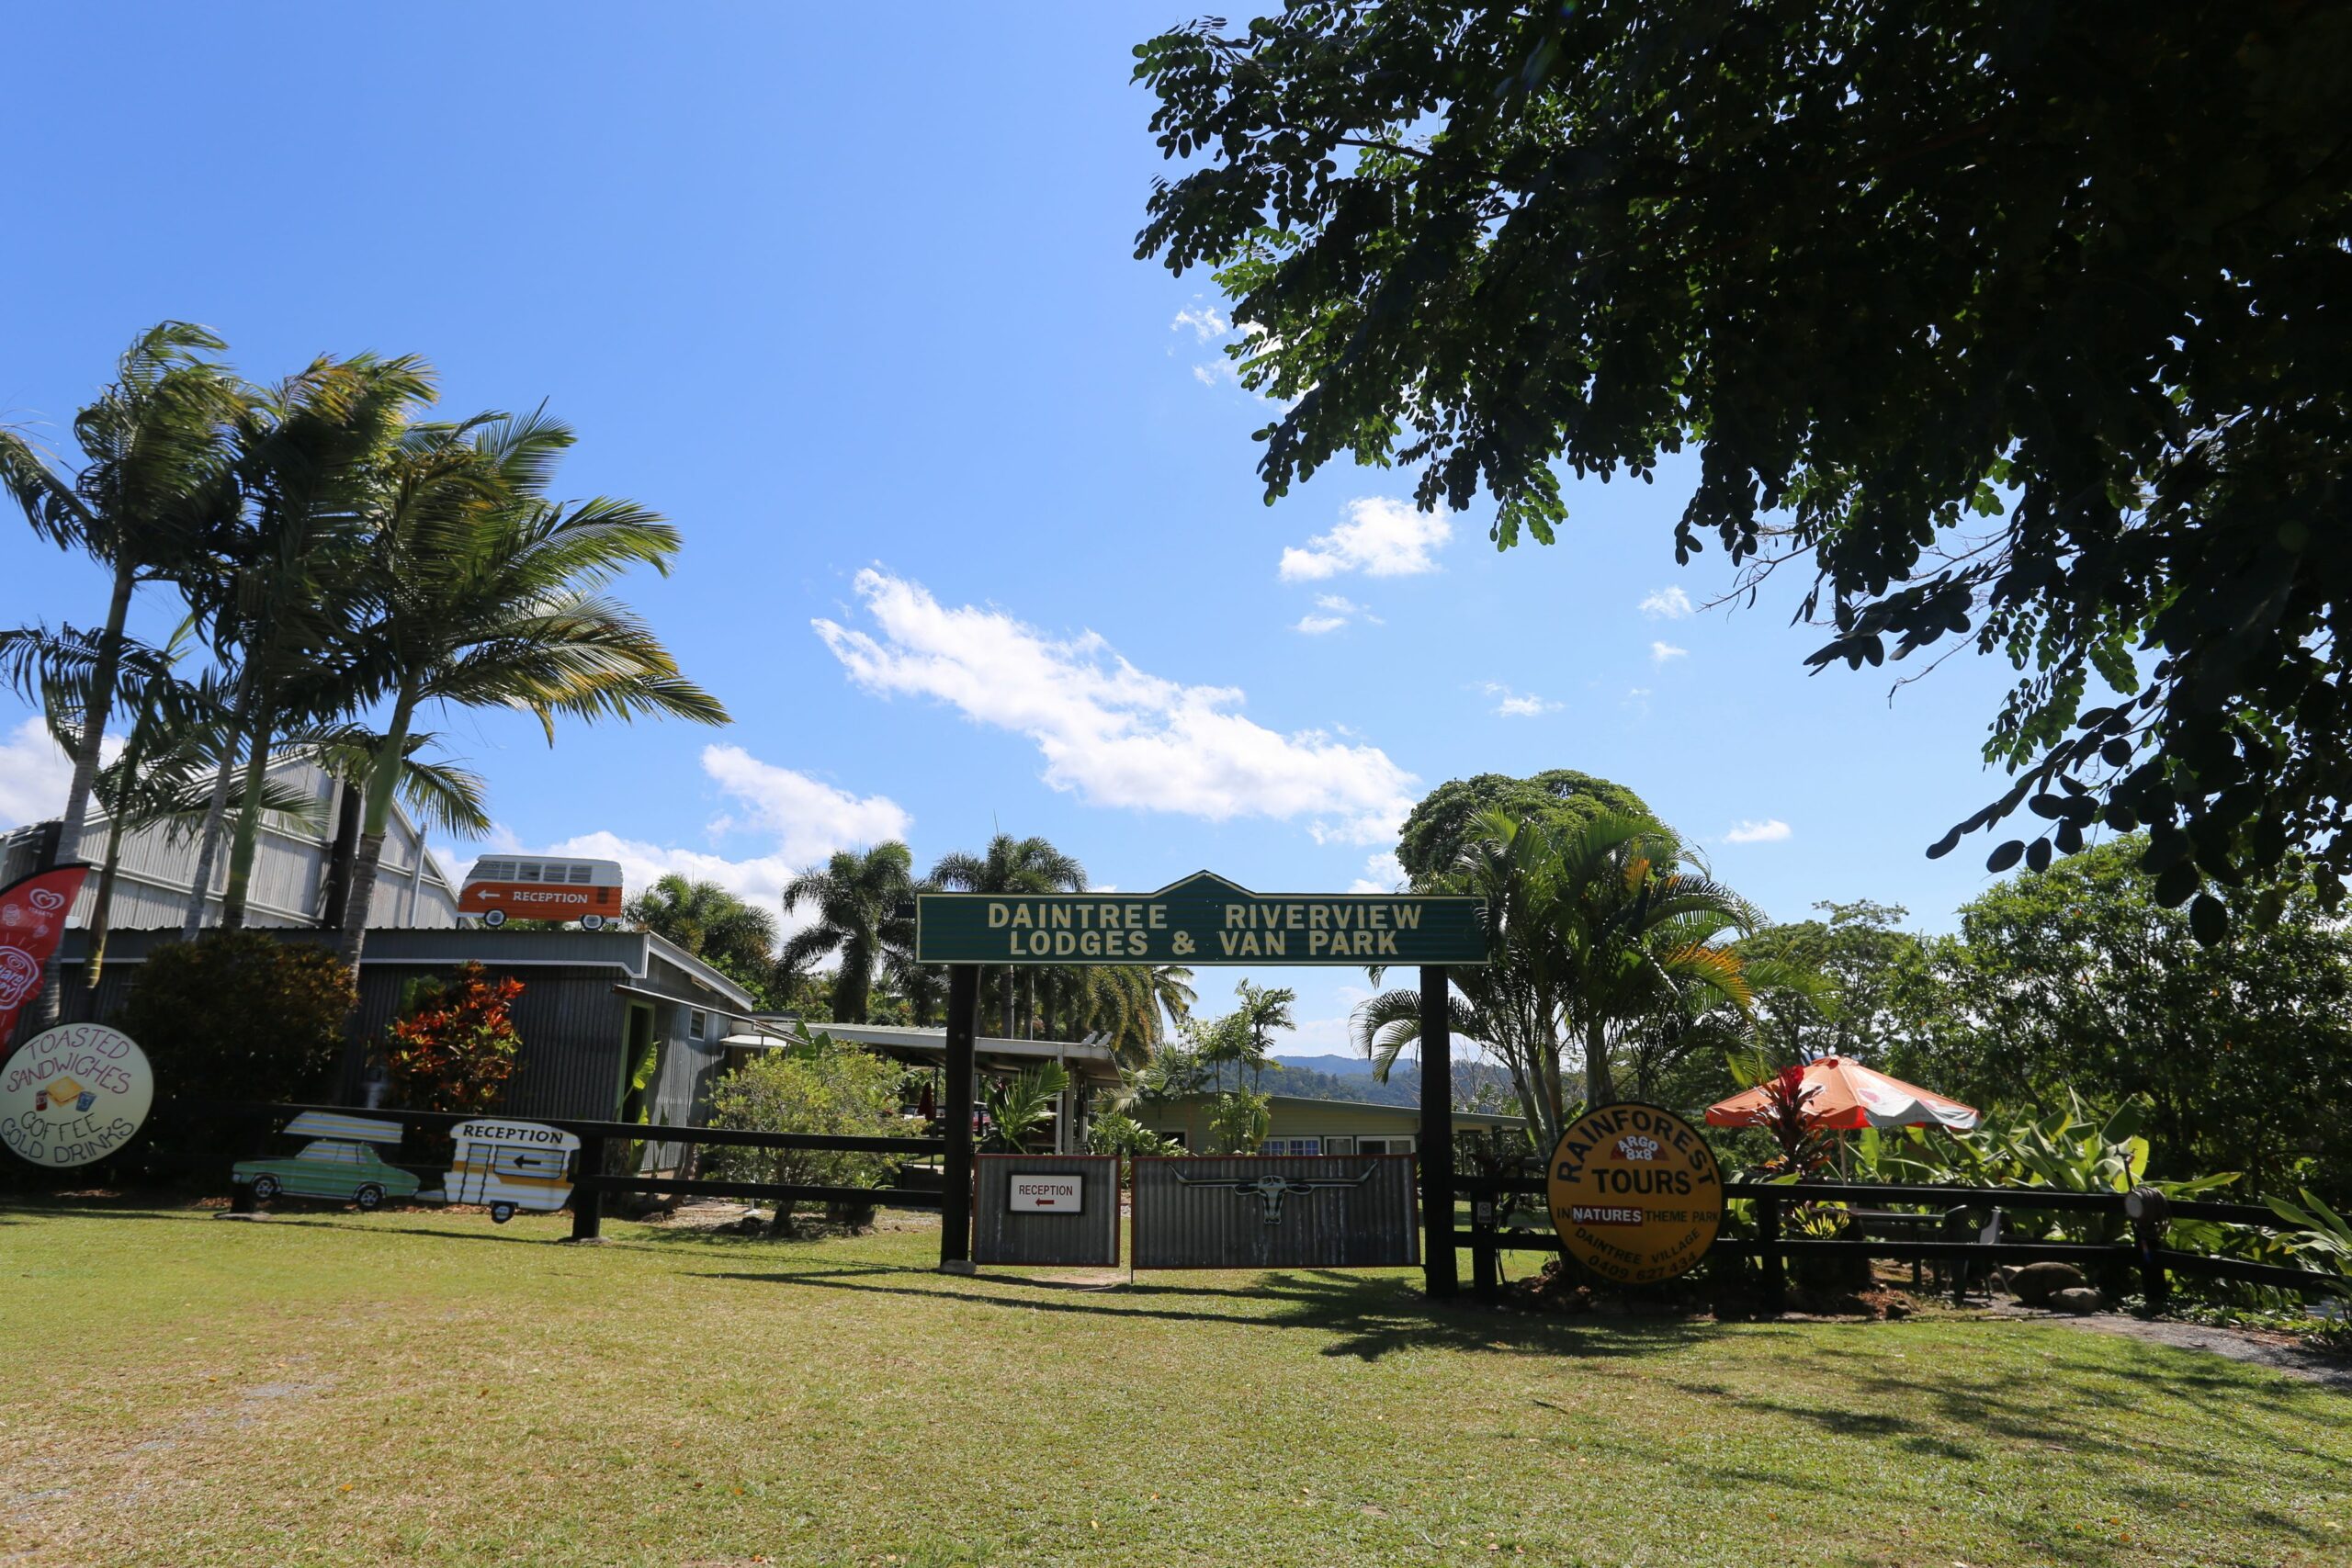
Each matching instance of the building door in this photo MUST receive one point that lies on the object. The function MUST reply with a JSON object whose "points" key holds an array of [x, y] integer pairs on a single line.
{"points": [[638, 1062]]}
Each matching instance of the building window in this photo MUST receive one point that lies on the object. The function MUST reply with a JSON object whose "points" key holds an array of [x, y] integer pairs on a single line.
{"points": [[1339, 1146], [1384, 1146], [1291, 1146], [695, 1023]]}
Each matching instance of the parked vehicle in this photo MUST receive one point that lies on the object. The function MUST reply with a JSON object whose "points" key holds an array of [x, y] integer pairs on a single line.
{"points": [[510, 1166], [339, 1163], [501, 887]]}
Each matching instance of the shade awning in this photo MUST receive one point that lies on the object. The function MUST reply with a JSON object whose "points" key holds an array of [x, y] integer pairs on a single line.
{"points": [[1853, 1096]]}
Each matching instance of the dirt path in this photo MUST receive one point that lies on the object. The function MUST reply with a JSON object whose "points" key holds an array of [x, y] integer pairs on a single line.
{"points": [[2280, 1352]]}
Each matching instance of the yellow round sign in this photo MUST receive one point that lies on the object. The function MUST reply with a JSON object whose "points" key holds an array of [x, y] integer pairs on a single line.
{"points": [[1636, 1195]]}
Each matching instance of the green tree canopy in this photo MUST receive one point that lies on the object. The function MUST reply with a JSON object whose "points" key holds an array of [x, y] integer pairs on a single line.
{"points": [[1866, 961], [2025, 325], [1559, 799], [2079, 978], [708, 921]]}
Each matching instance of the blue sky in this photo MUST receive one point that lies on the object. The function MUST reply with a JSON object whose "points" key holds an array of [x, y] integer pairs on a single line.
{"points": [[974, 537]]}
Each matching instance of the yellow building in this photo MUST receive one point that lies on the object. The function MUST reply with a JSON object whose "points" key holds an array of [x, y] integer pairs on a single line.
{"points": [[1303, 1126]]}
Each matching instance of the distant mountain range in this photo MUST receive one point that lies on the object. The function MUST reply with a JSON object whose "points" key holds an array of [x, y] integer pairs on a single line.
{"points": [[1349, 1077], [1337, 1067]]}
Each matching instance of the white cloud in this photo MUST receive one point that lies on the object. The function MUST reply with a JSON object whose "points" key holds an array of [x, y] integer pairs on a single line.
{"points": [[1666, 604], [1382, 537], [1206, 321], [1662, 652], [1517, 704], [810, 819], [36, 774], [1638, 698], [1381, 873], [1338, 611], [804, 818], [1771, 831], [1109, 732]]}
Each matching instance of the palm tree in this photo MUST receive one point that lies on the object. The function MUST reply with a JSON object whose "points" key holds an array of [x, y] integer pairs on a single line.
{"points": [[1010, 865], [855, 896], [1017, 1105], [1263, 1010], [288, 587], [438, 793], [1591, 933], [1633, 918], [156, 482], [706, 921], [486, 594], [924, 985]]}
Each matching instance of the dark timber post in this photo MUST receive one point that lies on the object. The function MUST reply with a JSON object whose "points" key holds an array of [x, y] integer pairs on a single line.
{"points": [[1767, 1252], [588, 1200], [955, 1111], [1437, 1136]]}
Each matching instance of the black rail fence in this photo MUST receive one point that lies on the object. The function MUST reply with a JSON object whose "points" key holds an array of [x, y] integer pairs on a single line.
{"points": [[1952, 1209], [1949, 1208], [591, 1184]]}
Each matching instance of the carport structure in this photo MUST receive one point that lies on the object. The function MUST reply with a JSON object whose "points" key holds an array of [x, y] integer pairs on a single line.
{"points": [[1090, 1062]]}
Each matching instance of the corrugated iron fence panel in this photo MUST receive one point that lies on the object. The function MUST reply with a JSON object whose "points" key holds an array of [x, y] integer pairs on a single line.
{"points": [[1257, 1211], [1089, 1238]]}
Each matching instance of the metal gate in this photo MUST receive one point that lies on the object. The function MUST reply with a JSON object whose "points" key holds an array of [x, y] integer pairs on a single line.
{"points": [[1046, 1210], [1269, 1212]]}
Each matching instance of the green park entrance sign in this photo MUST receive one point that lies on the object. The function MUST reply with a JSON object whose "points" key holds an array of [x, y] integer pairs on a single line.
{"points": [[1202, 919]]}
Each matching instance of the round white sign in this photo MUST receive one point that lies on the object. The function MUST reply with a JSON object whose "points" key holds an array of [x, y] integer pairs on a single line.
{"points": [[74, 1094]]}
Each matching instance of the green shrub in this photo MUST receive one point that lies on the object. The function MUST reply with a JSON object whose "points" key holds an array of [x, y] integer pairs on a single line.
{"points": [[833, 1089], [232, 1016], [238, 1015]]}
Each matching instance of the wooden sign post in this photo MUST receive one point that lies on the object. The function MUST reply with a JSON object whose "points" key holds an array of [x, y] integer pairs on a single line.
{"points": [[1203, 919]]}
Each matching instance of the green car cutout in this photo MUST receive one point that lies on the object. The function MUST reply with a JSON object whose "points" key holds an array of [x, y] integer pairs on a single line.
{"points": [[328, 1168]]}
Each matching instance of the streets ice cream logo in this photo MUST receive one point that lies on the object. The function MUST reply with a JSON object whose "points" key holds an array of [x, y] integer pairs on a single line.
{"points": [[74, 1094], [26, 923]]}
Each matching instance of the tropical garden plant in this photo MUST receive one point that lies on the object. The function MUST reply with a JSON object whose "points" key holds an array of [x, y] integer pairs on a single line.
{"points": [[819, 1087], [1018, 1105], [454, 1045]]}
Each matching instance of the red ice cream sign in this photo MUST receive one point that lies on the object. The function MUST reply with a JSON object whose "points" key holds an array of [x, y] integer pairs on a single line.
{"points": [[32, 923]]}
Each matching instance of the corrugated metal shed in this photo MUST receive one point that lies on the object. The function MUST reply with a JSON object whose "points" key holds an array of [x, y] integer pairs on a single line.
{"points": [[572, 1015], [1256, 1213], [288, 880], [1088, 1237]]}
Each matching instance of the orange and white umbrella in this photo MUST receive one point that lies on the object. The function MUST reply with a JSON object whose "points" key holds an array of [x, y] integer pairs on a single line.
{"points": [[1851, 1096]]}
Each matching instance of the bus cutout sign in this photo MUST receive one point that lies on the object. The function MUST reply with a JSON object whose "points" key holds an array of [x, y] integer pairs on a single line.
{"points": [[1203, 919]]}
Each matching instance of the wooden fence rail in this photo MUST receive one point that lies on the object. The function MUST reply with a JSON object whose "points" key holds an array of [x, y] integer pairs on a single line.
{"points": [[588, 1189], [1948, 1205]]}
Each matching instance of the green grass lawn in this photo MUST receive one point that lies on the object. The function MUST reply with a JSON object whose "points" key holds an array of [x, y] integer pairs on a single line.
{"points": [[412, 1387]]}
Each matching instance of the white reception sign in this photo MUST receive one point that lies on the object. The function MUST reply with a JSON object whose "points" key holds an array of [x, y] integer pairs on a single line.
{"points": [[74, 1094], [1047, 1194]]}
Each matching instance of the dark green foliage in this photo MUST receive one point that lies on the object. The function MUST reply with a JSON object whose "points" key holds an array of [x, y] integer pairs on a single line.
{"points": [[1557, 798], [232, 1016], [2079, 978], [240, 1015], [709, 922], [1867, 961], [2029, 325]]}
